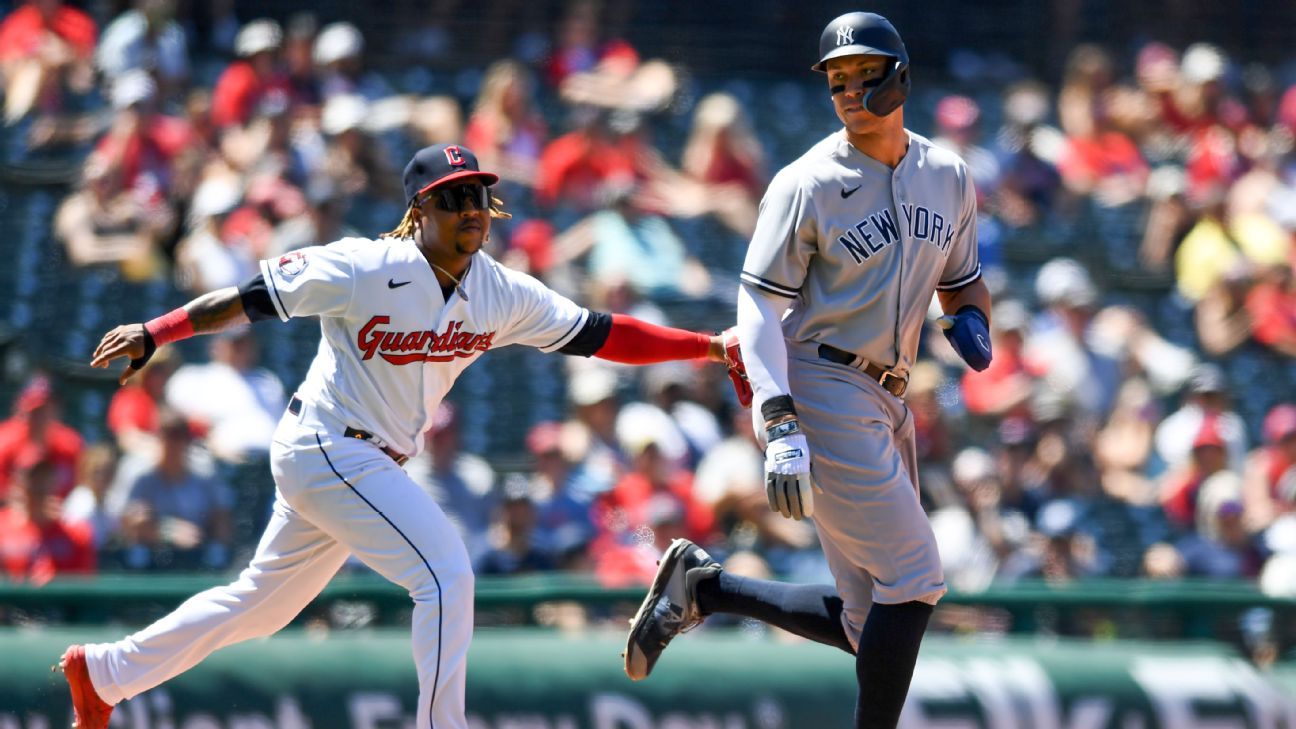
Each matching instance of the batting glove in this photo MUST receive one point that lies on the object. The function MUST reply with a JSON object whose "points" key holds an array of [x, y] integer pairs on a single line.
{"points": [[969, 333], [787, 471]]}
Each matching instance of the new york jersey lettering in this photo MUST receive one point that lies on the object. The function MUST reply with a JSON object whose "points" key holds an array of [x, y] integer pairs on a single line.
{"points": [[869, 236]]}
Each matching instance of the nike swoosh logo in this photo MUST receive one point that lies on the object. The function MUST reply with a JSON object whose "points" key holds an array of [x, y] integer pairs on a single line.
{"points": [[847, 193], [391, 283]]}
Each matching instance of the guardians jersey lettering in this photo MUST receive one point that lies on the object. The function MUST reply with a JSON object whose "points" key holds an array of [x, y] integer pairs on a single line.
{"points": [[389, 355], [402, 348]]}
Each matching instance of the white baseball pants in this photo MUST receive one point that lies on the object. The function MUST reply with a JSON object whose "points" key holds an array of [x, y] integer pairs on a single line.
{"points": [[334, 496]]}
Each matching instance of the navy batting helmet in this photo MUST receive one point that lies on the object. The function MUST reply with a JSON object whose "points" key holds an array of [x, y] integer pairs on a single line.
{"points": [[870, 34]]}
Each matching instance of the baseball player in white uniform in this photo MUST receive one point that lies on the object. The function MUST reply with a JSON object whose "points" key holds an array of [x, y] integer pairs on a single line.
{"points": [[852, 240], [401, 317]]}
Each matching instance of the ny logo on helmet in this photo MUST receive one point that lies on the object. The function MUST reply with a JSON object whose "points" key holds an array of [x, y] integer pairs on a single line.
{"points": [[845, 35]]}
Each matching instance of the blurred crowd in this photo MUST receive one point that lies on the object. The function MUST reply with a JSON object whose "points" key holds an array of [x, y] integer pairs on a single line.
{"points": [[1100, 442]]}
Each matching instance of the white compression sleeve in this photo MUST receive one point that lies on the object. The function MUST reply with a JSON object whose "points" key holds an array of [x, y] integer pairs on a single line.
{"points": [[760, 337]]}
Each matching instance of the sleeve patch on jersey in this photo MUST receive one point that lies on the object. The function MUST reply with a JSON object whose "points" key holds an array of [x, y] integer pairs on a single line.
{"points": [[291, 264]]}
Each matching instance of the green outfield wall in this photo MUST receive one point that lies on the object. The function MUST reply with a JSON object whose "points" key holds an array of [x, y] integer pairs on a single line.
{"points": [[533, 679]]}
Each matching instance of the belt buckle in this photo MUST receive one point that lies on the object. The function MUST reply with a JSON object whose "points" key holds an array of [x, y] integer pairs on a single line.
{"points": [[894, 383]]}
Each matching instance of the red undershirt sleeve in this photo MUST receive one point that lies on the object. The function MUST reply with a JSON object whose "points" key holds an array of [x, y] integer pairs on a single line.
{"points": [[632, 341]]}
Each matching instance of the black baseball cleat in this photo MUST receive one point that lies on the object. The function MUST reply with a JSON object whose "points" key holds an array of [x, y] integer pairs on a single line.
{"points": [[670, 608]]}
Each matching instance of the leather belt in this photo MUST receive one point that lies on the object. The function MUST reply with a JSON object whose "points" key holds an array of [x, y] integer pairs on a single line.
{"points": [[295, 407], [890, 381]]}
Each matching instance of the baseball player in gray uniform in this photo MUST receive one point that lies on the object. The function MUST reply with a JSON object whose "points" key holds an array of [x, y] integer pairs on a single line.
{"points": [[852, 240]]}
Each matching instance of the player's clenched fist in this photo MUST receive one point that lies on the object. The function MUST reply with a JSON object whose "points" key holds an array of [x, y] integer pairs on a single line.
{"points": [[787, 471]]}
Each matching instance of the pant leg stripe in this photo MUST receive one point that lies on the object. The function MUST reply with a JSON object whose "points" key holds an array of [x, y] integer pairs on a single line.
{"points": [[436, 678]]}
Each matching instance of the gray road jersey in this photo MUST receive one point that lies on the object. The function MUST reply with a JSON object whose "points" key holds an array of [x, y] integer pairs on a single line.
{"points": [[859, 248]]}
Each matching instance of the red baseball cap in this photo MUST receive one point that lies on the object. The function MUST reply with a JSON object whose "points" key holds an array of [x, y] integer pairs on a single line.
{"points": [[36, 393], [1280, 422], [1208, 434]]}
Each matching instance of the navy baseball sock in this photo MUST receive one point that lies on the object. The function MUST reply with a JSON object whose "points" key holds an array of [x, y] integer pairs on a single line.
{"points": [[884, 665], [810, 611]]}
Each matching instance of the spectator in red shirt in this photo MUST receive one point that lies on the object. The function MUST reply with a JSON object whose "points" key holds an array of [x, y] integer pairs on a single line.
{"points": [[576, 167], [35, 544], [143, 144], [1272, 305], [653, 484], [133, 411], [241, 87], [1179, 491], [35, 427], [1004, 388], [1097, 159], [505, 129], [42, 44], [1269, 483]]}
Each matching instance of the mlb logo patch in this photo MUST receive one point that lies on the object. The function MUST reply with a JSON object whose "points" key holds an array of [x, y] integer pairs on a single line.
{"points": [[291, 264]]}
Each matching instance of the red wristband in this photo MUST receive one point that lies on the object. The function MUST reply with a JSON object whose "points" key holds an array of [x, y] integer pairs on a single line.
{"points": [[632, 341], [170, 327]]}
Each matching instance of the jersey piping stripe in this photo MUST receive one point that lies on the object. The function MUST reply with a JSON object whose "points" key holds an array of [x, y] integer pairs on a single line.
{"points": [[436, 677], [769, 286], [580, 320], [269, 277], [961, 282]]}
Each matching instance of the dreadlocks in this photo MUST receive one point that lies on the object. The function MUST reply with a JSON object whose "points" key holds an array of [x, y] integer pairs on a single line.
{"points": [[405, 229]]}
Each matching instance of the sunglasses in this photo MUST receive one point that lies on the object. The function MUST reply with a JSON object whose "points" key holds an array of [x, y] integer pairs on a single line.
{"points": [[455, 198]]}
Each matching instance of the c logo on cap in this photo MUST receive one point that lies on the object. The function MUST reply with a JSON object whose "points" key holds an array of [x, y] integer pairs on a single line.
{"points": [[455, 158]]}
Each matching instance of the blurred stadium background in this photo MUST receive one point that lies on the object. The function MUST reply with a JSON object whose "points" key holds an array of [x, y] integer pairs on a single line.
{"points": [[1115, 499]]}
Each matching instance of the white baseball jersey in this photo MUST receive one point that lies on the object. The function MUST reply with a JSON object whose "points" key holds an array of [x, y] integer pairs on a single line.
{"points": [[392, 344], [860, 247]]}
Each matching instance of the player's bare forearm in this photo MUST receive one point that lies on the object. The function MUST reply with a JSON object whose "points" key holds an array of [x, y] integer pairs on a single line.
{"points": [[974, 294], [216, 311], [208, 313]]}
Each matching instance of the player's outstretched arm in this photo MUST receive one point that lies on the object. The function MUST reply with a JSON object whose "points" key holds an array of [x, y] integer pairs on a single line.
{"points": [[634, 341], [208, 313]]}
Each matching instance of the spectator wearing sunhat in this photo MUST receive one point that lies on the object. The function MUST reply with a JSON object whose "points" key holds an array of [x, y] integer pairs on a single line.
{"points": [[1206, 395], [148, 38], [35, 428], [204, 261], [339, 61], [254, 74], [1059, 349], [592, 392]]}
